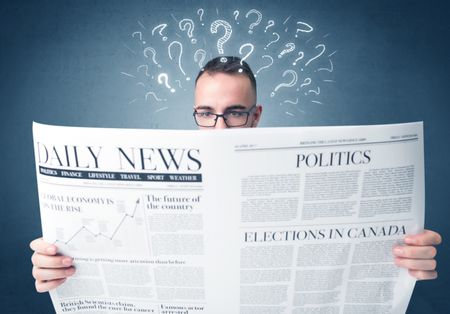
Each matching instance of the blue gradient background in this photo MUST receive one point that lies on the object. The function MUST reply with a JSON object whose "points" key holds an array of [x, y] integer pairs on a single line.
{"points": [[60, 64]]}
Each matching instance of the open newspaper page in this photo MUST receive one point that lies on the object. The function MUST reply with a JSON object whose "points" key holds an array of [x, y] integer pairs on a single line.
{"points": [[129, 206], [319, 212], [285, 220]]}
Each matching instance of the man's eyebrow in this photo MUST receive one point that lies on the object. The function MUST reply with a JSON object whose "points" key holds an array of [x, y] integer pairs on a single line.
{"points": [[234, 107], [204, 107]]}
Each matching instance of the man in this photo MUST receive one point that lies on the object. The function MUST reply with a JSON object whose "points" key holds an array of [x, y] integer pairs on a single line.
{"points": [[225, 97]]}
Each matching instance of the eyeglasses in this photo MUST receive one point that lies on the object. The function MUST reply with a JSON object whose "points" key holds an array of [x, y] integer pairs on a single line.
{"points": [[232, 118]]}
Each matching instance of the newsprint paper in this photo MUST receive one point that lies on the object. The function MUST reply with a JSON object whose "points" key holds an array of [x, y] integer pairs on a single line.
{"points": [[251, 221]]}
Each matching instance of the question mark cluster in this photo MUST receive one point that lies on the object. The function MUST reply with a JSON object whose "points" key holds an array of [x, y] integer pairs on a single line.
{"points": [[288, 50]]}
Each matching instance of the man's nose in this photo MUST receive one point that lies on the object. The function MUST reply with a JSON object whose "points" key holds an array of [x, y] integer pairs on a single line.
{"points": [[220, 124]]}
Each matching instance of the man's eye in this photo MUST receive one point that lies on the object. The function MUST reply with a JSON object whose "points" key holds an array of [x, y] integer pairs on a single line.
{"points": [[205, 114], [235, 114]]}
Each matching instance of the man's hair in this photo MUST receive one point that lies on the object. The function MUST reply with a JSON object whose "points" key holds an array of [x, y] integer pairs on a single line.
{"points": [[228, 65]]}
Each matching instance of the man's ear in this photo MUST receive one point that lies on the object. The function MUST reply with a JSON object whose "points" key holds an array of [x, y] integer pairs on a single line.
{"points": [[256, 116]]}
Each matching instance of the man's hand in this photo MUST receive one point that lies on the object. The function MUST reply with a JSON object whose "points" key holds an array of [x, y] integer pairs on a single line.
{"points": [[418, 254], [49, 269]]}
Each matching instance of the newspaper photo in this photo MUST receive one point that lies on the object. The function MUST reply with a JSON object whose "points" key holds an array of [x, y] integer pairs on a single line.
{"points": [[251, 221]]}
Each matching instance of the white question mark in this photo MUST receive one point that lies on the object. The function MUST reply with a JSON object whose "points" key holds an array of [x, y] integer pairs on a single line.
{"points": [[273, 41], [289, 48], [258, 20], [153, 51], [236, 14], [161, 27], [327, 69], [154, 96], [306, 82], [164, 78], [307, 28], [270, 23], [145, 67], [200, 12], [320, 53], [301, 54], [189, 24], [266, 66], [288, 101], [228, 31], [179, 57], [314, 91], [203, 57], [140, 36], [248, 54], [290, 84]]}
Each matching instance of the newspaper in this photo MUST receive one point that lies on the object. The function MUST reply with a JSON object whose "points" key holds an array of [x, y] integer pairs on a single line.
{"points": [[267, 220]]}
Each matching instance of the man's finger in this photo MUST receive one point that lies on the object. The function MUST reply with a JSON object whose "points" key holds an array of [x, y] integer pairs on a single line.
{"points": [[44, 286], [411, 251], [44, 261], [427, 237], [45, 274], [39, 246], [416, 264], [423, 275]]}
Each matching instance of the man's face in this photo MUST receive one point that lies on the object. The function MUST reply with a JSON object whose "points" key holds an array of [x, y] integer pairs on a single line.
{"points": [[221, 93]]}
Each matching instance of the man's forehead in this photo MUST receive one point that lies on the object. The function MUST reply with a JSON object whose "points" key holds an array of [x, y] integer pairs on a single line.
{"points": [[223, 85], [220, 92]]}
